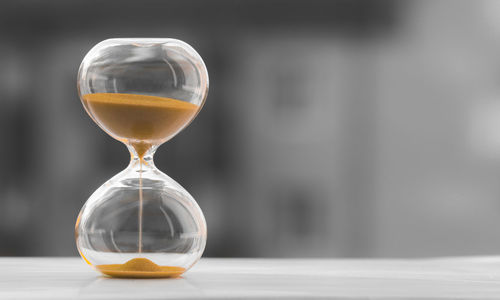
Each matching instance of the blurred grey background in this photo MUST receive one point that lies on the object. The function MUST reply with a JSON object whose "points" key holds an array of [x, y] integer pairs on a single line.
{"points": [[332, 128]]}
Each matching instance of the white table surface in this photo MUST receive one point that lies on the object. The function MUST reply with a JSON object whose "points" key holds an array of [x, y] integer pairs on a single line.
{"points": [[445, 278]]}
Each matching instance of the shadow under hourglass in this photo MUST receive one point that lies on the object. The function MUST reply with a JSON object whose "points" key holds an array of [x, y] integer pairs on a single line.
{"points": [[161, 288]]}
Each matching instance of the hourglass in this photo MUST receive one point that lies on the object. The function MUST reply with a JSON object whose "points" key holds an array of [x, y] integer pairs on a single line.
{"points": [[142, 92]]}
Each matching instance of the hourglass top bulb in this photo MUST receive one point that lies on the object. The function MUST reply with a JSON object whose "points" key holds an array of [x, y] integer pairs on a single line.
{"points": [[142, 91]]}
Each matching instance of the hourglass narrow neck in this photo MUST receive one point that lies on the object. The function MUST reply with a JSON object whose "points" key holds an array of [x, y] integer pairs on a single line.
{"points": [[146, 161]]}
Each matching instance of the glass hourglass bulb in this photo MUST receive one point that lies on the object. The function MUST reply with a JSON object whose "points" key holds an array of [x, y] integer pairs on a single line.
{"points": [[142, 92]]}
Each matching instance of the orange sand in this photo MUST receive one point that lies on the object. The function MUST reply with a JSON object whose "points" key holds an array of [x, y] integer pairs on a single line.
{"points": [[140, 268], [142, 121]]}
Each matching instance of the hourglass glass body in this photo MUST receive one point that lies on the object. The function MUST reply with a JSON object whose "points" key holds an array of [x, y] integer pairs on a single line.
{"points": [[142, 92]]}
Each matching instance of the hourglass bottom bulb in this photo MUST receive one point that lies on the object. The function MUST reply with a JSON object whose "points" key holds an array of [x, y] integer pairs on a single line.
{"points": [[145, 226]]}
